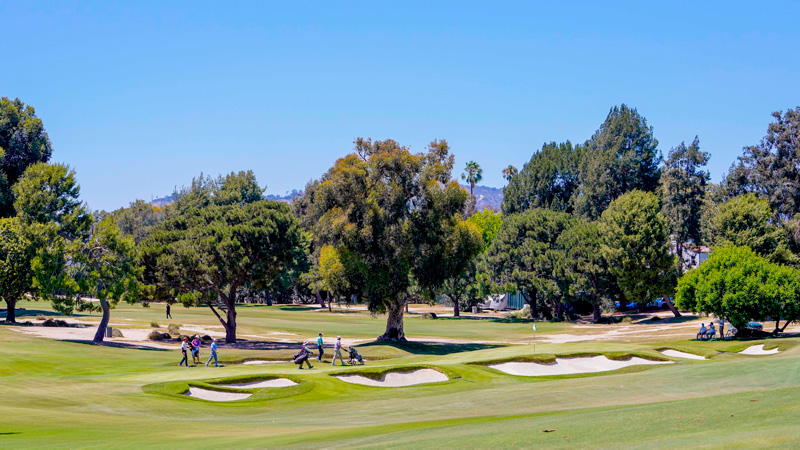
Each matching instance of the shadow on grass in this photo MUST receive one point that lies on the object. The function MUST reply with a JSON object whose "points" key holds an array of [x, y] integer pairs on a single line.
{"points": [[6, 433], [662, 320], [431, 348], [22, 312], [118, 345]]}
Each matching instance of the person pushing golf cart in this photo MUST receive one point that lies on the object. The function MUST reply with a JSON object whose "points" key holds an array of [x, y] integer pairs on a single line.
{"points": [[355, 357]]}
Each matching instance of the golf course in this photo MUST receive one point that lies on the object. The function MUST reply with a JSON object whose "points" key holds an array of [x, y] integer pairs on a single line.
{"points": [[128, 393]]}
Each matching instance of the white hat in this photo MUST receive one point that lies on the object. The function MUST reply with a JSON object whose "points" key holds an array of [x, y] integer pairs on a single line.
{"points": [[338, 337]]}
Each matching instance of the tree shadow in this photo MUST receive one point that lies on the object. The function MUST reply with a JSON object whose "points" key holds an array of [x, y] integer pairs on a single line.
{"points": [[432, 348], [117, 344], [296, 307], [6, 433], [22, 312], [666, 320]]}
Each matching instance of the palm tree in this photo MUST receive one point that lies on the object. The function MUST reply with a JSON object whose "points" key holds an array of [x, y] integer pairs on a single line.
{"points": [[510, 172], [472, 174]]}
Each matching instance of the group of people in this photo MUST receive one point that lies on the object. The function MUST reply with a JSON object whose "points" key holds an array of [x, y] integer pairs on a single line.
{"points": [[305, 353], [193, 346], [710, 332]]}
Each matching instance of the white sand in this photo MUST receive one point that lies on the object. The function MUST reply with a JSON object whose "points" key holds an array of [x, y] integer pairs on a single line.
{"points": [[758, 350], [680, 354], [398, 379], [215, 396], [261, 361], [278, 382], [569, 366]]}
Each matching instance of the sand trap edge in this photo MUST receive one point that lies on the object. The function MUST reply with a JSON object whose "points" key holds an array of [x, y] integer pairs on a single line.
{"points": [[672, 353], [260, 384], [758, 350], [215, 396], [578, 365], [397, 378]]}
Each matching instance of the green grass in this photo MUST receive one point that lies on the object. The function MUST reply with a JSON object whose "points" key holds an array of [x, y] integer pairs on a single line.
{"points": [[73, 395]]}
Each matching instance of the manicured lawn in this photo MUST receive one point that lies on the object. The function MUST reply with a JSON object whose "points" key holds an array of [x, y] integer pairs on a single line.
{"points": [[67, 394]]}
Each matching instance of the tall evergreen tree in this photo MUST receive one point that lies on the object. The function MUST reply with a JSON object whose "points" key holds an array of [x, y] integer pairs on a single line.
{"points": [[548, 180], [683, 187], [771, 169], [621, 156]]}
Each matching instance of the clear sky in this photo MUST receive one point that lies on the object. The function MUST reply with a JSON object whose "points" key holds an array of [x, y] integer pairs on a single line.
{"points": [[141, 96]]}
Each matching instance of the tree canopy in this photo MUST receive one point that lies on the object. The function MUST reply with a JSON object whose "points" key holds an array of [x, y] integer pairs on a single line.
{"points": [[771, 169], [636, 246], [523, 257], [738, 285], [220, 237], [23, 142], [683, 187], [397, 216], [621, 156], [16, 254], [548, 180]]}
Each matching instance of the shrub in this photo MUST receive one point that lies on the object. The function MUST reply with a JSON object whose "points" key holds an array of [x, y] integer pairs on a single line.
{"points": [[156, 335], [627, 319], [115, 332], [55, 323], [428, 315], [154, 324], [524, 313], [206, 338], [174, 329]]}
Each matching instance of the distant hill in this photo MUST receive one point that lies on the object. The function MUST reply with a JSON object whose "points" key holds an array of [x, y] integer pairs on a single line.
{"points": [[487, 197]]}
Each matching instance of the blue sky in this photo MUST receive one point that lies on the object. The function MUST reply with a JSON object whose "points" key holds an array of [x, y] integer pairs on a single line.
{"points": [[141, 96]]}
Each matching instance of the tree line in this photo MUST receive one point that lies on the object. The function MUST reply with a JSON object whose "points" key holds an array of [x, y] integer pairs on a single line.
{"points": [[581, 226]]}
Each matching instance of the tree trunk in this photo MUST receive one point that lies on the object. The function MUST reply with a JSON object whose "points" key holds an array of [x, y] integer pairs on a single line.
{"points": [[230, 325], [269, 299], [786, 324], [11, 311], [320, 300], [328, 298], [101, 330], [394, 322], [777, 326], [531, 299], [671, 306], [456, 312], [406, 307], [596, 311]]}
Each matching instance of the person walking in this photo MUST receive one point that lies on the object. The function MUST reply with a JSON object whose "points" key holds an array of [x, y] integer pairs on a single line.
{"points": [[306, 355], [213, 354], [169, 315], [320, 346], [196, 350], [337, 351], [184, 347]]}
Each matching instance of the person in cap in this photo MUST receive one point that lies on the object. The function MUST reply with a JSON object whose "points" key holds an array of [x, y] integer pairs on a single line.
{"points": [[184, 347], [320, 346], [337, 351]]}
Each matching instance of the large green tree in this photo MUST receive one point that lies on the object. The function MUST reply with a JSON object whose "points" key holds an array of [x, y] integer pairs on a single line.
{"points": [[548, 180], [584, 268], [637, 249], [683, 187], [220, 237], [397, 216], [16, 254], [771, 169], [138, 219], [23, 141], [621, 156], [74, 258], [738, 285], [524, 257], [746, 220]]}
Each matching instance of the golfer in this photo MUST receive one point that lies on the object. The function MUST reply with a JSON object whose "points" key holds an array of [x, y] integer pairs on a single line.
{"points": [[169, 315], [213, 354], [184, 347], [320, 347], [337, 351], [196, 350]]}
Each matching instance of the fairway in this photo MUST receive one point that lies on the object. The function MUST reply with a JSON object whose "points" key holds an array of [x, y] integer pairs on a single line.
{"points": [[74, 394]]}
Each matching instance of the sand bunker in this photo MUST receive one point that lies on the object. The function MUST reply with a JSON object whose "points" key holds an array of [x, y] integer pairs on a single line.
{"points": [[215, 396], [275, 383], [398, 379], [261, 361], [758, 350], [680, 354], [569, 366]]}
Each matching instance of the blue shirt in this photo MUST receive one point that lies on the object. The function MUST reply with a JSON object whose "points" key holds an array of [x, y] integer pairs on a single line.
{"points": [[214, 347], [319, 341]]}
